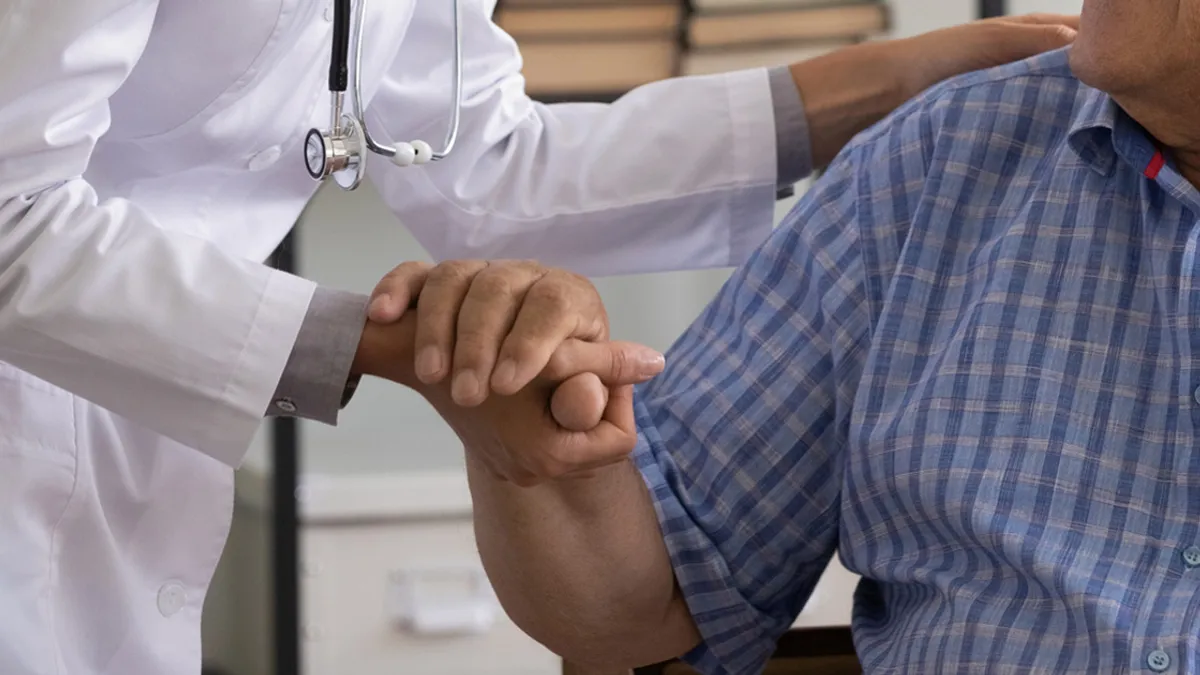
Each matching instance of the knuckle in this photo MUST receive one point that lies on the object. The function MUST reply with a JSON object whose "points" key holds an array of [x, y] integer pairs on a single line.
{"points": [[621, 365], [552, 296], [493, 284], [453, 271], [532, 266]]}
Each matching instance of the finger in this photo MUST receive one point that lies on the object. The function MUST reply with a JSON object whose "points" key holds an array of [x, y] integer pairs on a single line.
{"points": [[437, 316], [559, 306], [614, 438], [396, 291], [487, 314], [615, 363], [1068, 20], [1044, 38], [608, 442], [578, 403]]}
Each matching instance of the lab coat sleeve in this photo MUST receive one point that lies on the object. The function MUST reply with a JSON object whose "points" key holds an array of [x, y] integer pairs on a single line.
{"points": [[676, 174], [96, 297]]}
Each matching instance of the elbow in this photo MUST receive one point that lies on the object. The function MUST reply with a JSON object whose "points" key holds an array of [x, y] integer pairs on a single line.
{"points": [[607, 638]]}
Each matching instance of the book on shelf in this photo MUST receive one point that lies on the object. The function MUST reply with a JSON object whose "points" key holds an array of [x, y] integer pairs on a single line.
{"points": [[593, 46], [596, 67], [607, 47], [725, 35], [558, 22], [777, 25]]}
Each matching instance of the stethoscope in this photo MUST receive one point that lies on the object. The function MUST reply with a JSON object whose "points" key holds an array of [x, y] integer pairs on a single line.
{"points": [[339, 151]]}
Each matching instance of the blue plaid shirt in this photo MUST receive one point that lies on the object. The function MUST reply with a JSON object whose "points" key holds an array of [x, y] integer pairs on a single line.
{"points": [[968, 363]]}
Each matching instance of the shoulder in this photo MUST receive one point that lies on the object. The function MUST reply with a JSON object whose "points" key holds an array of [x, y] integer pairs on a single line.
{"points": [[1038, 91]]}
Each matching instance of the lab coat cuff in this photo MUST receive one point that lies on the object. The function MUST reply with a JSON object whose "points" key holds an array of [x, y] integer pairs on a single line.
{"points": [[792, 141], [316, 382], [255, 372]]}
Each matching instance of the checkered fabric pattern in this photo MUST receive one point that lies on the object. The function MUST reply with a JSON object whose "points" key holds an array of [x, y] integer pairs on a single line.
{"points": [[967, 362]]}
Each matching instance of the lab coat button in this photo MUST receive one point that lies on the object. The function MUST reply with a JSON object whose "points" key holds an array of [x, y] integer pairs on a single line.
{"points": [[285, 405], [171, 598], [265, 158], [329, 11]]}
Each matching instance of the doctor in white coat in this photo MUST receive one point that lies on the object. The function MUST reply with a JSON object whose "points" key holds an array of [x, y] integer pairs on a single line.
{"points": [[150, 159]]}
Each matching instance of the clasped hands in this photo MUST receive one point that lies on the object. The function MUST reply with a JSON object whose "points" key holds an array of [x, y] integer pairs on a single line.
{"points": [[516, 358]]}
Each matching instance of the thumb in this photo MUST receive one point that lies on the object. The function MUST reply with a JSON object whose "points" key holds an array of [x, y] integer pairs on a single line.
{"points": [[578, 404], [614, 363]]}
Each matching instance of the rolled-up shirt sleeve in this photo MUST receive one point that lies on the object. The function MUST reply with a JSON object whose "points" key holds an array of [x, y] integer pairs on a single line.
{"points": [[742, 437]]}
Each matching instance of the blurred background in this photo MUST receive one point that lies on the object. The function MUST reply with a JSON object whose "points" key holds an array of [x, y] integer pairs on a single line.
{"points": [[351, 551]]}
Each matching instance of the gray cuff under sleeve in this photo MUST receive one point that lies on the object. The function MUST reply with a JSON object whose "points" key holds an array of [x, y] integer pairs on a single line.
{"points": [[793, 147], [316, 382]]}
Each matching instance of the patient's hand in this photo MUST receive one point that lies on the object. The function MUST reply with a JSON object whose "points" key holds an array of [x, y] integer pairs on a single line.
{"points": [[557, 425], [515, 356]]}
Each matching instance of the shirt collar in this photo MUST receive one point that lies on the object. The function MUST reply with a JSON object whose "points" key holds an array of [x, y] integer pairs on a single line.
{"points": [[1101, 133]]}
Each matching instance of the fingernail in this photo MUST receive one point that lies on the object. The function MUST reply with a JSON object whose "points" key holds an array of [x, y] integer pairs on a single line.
{"points": [[465, 387], [378, 304], [429, 363], [650, 363], [505, 373]]}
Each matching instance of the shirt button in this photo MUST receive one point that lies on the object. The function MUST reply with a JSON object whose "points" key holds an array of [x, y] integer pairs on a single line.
{"points": [[286, 405], [1158, 660], [1196, 394], [265, 158], [1191, 556], [170, 599]]}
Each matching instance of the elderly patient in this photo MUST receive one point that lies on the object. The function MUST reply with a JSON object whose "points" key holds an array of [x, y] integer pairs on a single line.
{"points": [[968, 363]]}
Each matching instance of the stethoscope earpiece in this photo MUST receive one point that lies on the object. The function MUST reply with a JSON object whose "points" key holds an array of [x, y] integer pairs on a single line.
{"points": [[340, 151], [417, 152], [424, 153], [405, 155]]}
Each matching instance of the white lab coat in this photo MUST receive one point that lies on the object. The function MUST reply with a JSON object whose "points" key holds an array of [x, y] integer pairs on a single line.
{"points": [[151, 157]]}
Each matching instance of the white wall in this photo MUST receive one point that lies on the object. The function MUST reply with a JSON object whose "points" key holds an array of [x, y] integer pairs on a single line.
{"points": [[1052, 6]]}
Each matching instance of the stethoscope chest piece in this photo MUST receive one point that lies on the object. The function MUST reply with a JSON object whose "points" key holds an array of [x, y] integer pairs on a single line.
{"points": [[339, 153], [342, 151]]}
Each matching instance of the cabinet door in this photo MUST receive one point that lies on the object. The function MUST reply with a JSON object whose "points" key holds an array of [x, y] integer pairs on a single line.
{"points": [[407, 597]]}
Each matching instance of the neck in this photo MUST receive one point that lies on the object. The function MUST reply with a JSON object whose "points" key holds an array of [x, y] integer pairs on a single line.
{"points": [[1177, 134], [1188, 161]]}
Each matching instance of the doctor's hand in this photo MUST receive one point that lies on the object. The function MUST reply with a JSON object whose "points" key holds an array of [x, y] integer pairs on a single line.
{"points": [[849, 89], [572, 416], [492, 326], [986, 43]]}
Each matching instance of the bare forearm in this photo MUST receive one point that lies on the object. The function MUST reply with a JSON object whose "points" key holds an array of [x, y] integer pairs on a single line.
{"points": [[581, 566], [847, 91]]}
